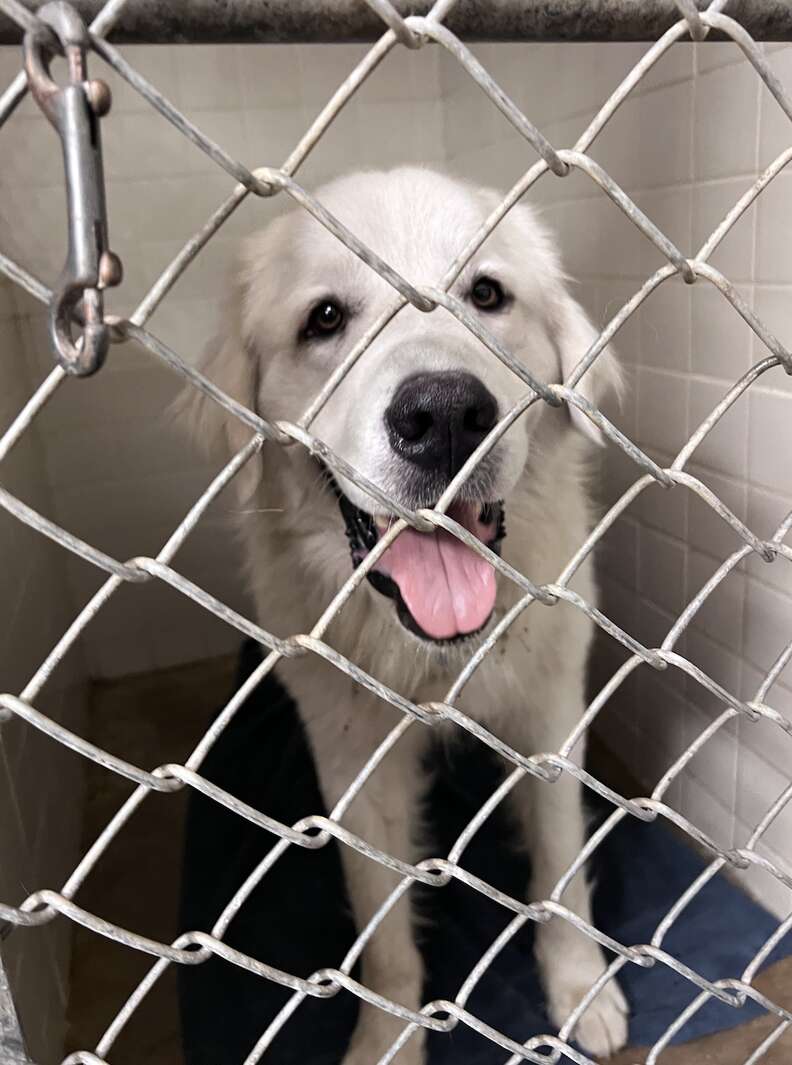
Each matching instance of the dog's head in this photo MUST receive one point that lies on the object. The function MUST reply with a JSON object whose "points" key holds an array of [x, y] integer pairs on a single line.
{"points": [[426, 393]]}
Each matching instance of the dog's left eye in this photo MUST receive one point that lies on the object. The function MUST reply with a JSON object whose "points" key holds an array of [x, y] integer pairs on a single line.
{"points": [[487, 294], [326, 318]]}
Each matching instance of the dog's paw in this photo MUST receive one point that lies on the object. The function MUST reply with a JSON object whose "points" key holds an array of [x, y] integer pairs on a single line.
{"points": [[602, 1030]]}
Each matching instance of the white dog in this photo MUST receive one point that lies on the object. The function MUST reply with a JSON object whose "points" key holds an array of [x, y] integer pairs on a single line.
{"points": [[407, 416]]}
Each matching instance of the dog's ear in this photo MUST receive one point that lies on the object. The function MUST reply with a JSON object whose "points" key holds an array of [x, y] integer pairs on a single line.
{"points": [[229, 364], [567, 326], [573, 334]]}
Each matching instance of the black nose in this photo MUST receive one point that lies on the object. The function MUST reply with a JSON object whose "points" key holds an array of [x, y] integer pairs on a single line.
{"points": [[437, 420]]}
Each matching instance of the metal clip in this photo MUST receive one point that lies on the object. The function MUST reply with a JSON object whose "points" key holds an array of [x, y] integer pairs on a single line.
{"points": [[74, 110]]}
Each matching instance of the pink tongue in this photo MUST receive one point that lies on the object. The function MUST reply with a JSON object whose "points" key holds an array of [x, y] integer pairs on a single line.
{"points": [[447, 587]]}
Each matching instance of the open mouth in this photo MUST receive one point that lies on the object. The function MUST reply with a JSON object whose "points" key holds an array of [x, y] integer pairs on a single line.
{"points": [[443, 590]]}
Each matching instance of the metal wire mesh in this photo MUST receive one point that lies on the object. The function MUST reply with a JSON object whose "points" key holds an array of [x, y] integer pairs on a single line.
{"points": [[314, 832]]}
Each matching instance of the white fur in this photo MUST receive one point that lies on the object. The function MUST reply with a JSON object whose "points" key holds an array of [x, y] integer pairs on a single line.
{"points": [[530, 689]]}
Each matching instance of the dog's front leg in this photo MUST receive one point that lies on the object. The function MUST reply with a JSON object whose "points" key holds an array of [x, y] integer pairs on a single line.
{"points": [[553, 821], [569, 960], [343, 735]]}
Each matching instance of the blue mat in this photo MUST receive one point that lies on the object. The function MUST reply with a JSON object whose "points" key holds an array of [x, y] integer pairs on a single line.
{"points": [[298, 918]]}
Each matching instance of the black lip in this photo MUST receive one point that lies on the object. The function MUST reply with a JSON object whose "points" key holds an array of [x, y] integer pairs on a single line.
{"points": [[361, 532]]}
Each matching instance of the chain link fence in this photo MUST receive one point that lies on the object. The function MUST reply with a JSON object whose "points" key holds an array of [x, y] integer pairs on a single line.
{"points": [[553, 163]]}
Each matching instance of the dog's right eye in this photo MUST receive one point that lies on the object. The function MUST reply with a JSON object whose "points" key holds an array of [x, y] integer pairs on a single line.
{"points": [[326, 318]]}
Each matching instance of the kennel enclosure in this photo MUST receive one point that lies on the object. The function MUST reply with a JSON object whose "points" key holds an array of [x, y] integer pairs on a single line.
{"points": [[662, 459]]}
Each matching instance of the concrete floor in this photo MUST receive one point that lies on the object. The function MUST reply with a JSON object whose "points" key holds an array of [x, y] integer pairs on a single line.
{"points": [[148, 720], [158, 718], [735, 1046]]}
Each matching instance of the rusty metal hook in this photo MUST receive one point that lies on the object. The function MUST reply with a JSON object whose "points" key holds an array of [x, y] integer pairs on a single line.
{"points": [[74, 110]]}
